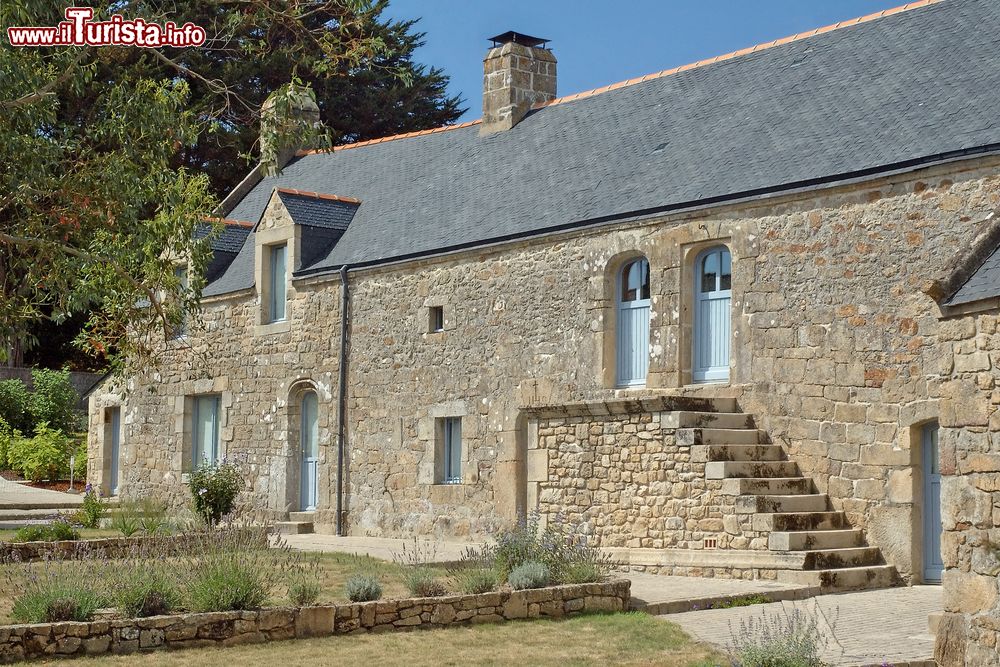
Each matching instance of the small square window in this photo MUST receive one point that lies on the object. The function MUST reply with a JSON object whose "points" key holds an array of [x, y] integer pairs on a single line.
{"points": [[449, 450], [436, 319]]}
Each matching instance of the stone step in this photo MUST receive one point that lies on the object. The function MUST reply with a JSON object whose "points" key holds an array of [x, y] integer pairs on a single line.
{"points": [[800, 521], [737, 453], [688, 437], [843, 579], [813, 502], [692, 419], [302, 516], [293, 527], [826, 559], [726, 469], [808, 540], [779, 486]]}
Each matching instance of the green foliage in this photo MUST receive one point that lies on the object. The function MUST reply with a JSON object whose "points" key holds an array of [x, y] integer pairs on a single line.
{"points": [[531, 574], [54, 531], [14, 401], [363, 587], [779, 639], [127, 519], [45, 456], [143, 588], [422, 583], [234, 570], [53, 400], [214, 489], [153, 516], [741, 601], [92, 509], [475, 580], [561, 548], [7, 436], [304, 592], [67, 601]]}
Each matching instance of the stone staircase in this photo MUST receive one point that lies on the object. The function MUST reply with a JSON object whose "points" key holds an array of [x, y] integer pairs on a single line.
{"points": [[298, 523], [782, 502]]}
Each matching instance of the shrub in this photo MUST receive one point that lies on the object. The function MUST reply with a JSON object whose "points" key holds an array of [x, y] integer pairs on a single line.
{"points": [[583, 573], [422, 583], [92, 509], [529, 575], [304, 592], [145, 590], [53, 400], [7, 436], [55, 531], [14, 399], [126, 518], [779, 639], [153, 516], [363, 588], [44, 456], [230, 581], [475, 580], [215, 489], [53, 592]]}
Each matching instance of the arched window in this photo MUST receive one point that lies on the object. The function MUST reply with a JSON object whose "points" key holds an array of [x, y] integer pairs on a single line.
{"points": [[712, 326], [632, 339]]}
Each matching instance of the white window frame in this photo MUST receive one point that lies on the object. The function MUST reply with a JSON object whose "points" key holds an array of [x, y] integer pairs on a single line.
{"points": [[277, 310], [451, 450], [199, 403]]}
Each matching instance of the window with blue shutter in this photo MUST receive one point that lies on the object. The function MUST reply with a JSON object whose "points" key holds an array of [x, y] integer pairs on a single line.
{"points": [[279, 282], [451, 433], [205, 429]]}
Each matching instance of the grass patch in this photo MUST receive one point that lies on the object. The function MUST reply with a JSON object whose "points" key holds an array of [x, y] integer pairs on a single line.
{"points": [[616, 639], [85, 534], [742, 601]]}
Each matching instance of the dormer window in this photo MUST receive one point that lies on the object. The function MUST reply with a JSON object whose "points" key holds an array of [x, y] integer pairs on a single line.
{"points": [[278, 272]]}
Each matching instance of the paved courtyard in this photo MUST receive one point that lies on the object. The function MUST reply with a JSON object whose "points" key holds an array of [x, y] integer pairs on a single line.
{"points": [[22, 497], [870, 627]]}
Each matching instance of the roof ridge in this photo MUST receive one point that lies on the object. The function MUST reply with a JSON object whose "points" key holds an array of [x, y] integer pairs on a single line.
{"points": [[318, 195], [229, 222], [647, 77]]}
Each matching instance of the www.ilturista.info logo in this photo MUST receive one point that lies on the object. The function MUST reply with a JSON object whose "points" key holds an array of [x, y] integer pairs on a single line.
{"points": [[79, 30]]}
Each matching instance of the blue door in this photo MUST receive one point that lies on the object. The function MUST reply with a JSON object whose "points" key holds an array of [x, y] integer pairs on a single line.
{"points": [[632, 337], [713, 290], [932, 504], [309, 437], [116, 449]]}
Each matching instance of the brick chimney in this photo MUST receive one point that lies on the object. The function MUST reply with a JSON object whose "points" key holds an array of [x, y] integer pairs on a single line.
{"points": [[285, 117], [518, 71]]}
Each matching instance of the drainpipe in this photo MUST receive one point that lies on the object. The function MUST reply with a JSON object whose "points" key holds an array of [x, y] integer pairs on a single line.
{"points": [[342, 399]]}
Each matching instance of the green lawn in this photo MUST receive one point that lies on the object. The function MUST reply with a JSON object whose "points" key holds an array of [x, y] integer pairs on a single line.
{"points": [[615, 639]]}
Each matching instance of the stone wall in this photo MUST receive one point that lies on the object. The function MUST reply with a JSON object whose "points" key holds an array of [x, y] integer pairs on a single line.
{"points": [[835, 350], [20, 642], [111, 547], [969, 634], [621, 474]]}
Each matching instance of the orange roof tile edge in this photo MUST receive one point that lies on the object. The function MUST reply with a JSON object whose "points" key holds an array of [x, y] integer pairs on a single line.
{"points": [[319, 195], [229, 221], [648, 77]]}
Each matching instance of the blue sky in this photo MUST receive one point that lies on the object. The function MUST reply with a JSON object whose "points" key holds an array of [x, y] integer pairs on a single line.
{"points": [[598, 43]]}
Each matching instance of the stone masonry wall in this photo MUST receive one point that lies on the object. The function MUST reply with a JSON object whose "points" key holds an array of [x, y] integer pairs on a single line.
{"points": [[969, 448], [835, 349], [21, 642], [627, 482]]}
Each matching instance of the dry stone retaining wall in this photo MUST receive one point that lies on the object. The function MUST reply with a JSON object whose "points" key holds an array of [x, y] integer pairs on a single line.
{"points": [[20, 642]]}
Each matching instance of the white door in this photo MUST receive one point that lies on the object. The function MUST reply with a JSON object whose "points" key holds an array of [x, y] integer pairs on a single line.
{"points": [[309, 437], [933, 564], [632, 335], [116, 449], [713, 289]]}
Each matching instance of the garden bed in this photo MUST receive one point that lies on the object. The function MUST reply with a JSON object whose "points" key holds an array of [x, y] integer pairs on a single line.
{"points": [[20, 642], [101, 547]]}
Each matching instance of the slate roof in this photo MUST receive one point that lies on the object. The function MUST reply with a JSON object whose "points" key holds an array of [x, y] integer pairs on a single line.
{"points": [[318, 210], [983, 284], [890, 93]]}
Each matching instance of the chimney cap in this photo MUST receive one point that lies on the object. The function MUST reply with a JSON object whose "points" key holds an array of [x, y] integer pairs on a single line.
{"points": [[519, 38]]}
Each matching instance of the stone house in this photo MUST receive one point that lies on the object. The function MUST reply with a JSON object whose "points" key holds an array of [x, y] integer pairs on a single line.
{"points": [[714, 315]]}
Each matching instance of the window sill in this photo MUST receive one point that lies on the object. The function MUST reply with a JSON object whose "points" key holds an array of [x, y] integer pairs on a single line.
{"points": [[271, 328]]}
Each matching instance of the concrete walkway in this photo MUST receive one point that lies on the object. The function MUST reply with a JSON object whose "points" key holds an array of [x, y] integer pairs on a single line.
{"points": [[663, 594], [870, 627], [15, 496]]}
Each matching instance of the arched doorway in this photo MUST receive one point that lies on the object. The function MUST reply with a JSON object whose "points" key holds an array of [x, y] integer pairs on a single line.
{"points": [[712, 325], [632, 334], [309, 451]]}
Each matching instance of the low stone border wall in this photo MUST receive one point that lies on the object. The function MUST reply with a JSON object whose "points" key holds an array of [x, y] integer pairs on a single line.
{"points": [[20, 642], [104, 547]]}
